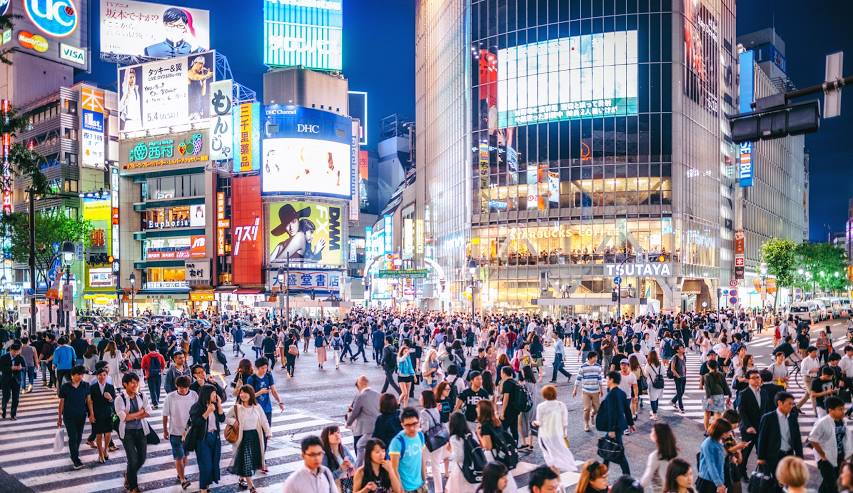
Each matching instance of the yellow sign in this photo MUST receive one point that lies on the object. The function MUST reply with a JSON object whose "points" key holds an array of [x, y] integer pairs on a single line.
{"points": [[199, 296]]}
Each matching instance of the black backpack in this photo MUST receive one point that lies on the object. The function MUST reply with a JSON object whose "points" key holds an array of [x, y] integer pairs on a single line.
{"points": [[154, 365], [474, 461], [522, 398], [504, 449], [454, 392]]}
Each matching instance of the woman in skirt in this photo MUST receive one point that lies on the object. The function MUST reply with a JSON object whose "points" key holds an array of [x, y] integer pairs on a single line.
{"points": [[254, 431], [100, 402], [320, 344]]}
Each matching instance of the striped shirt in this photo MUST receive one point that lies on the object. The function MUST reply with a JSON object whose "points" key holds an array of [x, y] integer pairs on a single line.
{"points": [[589, 378]]}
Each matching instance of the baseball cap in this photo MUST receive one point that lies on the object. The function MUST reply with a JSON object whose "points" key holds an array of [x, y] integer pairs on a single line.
{"points": [[623, 361]]}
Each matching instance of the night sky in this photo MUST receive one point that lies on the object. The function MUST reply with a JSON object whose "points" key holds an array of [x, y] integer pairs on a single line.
{"points": [[379, 58]]}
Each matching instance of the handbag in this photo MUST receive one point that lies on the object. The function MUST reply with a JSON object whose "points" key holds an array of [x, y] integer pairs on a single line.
{"points": [[761, 482], [609, 449], [59, 440], [232, 432], [658, 382], [152, 438], [437, 436]]}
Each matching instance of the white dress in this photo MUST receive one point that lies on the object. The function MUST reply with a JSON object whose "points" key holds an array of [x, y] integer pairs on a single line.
{"points": [[113, 363], [553, 418]]}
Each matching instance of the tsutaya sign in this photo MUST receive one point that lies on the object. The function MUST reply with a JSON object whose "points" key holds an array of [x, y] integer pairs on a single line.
{"points": [[642, 269]]}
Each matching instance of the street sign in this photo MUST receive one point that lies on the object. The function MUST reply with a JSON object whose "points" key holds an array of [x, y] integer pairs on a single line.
{"points": [[832, 96], [733, 283], [617, 280], [733, 300], [740, 260]]}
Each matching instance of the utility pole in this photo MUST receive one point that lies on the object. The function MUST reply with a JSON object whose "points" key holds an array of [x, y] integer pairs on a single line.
{"points": [[32, 262]]}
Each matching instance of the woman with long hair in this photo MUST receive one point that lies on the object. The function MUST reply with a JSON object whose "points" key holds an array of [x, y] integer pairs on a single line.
{"points": [[206, 415], [244, 370], [215, 366], [553, 420], [593, 478], [90, 360], [528, 380], [133, 355], [656, 464], [430, 369], [387, 424], [679, 477], [845, 477], [442, 395], [495, 478], [113, 358], [654, 372], [102, 395], [320, 344], [338, 458], [377, 475], [488, 429], [712, 458], [405, 374], [456, 482], [252, 425]]}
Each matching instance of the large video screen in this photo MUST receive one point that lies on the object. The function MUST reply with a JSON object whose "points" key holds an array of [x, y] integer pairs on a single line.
{"points": [[305, 232], [588, 76], [306, 152], [304, 32], [133, 32]]}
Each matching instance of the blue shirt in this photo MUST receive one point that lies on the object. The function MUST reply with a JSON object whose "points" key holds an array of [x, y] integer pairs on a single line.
{"points": [[260, 383], [63, 357], [711, 462], [409, 450]]}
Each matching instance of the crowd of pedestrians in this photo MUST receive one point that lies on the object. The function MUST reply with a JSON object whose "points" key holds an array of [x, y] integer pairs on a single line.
{"points": [[462, 400]]}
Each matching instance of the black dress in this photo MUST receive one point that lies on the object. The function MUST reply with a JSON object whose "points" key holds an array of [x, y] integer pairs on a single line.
{"points": [[102, 408], [382, 480]]}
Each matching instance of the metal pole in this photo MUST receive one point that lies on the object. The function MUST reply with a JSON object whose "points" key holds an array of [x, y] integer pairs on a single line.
{"points": [[67, 312], [287, 290], [132, 300], [32, 262], [618, 303]]}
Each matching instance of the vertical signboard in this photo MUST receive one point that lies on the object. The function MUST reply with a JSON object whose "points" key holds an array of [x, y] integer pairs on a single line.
{"points": [[388, 231], [115, 211], [221, 133], [7, 170], [247, 137], [740, 254], [92, 127], [222, 223], [745, 168], [354, 185], [247, 246], [363, 175]]}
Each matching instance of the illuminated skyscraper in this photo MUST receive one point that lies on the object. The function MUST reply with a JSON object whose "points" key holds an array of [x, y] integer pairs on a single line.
{"points": [[562, 144]]}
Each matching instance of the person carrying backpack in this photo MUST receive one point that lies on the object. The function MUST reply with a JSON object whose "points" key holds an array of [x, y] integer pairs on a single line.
{"points": [[497, 443], [515, 401], [407, 451], [152, 366], [467, 457]]}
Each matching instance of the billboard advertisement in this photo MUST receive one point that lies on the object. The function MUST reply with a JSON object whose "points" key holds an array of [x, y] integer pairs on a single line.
{"points": [[56, 30], [306, 281], [98, 212], [305, 232], [304, 32], [165, 93], [701, 56], [175, 248], [587, 76], [307, 151], [221, 133], [133, 32], [247, 137], [358, 110], [247, 227], [164, 150], [92, 127]]}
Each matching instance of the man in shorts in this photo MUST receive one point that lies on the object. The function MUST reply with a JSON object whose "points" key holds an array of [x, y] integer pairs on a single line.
{"points": [[176, 412]]}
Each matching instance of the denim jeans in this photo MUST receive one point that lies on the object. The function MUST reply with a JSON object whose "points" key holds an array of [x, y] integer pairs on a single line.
{"points": [[31, 375], [680, 385], [135, 448], [208, 453], [154, 388]]}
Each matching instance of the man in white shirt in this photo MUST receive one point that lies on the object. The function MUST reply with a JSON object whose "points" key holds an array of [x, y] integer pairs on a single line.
{"points": [[176, 413], [832, 442], [846, 363], [628, 384], [809, 368], [313, 476]]}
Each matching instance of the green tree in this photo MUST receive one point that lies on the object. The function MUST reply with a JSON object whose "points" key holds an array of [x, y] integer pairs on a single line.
{"points": [[780, 256], [823, 266], [53, 227]]}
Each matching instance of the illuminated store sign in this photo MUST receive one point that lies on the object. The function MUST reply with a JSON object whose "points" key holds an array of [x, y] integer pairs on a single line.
{"points": [[638, 269], [310, 280], [183, 148], [304, 32], [588, 76], [745, 167]]}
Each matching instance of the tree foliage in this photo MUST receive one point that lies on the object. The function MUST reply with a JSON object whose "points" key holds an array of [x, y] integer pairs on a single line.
{"points": [[53, 227], [780, 256], [823, 265]]}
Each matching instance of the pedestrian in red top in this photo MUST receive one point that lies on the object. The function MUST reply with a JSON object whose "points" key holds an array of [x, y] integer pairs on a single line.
{"points": [[153, 364]]}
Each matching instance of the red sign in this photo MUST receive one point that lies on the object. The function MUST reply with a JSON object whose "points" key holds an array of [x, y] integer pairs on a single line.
{"points": [[363, 165], [739, 261], [247, 230]]}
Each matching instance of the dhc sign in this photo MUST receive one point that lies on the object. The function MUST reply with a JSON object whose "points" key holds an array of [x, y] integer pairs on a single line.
{"points": [[639, 269], [56, 18]]}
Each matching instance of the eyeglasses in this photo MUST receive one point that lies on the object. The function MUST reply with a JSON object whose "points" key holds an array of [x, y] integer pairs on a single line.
{"points": [[409, 425], [313, 454]]}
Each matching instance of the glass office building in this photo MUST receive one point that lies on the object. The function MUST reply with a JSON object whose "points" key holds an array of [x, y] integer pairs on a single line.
{"points": [[597, 150]]}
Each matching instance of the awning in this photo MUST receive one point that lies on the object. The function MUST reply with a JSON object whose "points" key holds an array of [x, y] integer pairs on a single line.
{"points": [[248, 291]]}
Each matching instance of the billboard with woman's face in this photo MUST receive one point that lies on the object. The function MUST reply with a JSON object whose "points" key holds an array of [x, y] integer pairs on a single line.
{"points": [[305, 232]]}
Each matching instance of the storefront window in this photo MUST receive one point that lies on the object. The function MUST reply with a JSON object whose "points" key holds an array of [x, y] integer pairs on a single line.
{"points": [[174, 217], [166, 278], [170, 187]]}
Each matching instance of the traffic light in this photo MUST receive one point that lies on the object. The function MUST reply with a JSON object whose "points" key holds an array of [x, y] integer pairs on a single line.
{"points": [[776, 122], [613, 296]]}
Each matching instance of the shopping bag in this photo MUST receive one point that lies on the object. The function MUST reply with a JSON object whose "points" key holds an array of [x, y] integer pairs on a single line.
{"points": [[59, 440]]}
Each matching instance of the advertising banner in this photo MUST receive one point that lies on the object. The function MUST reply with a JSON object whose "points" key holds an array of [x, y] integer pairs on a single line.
{"points": [[247, 245], [247, 130], [197, 271], [221, 132], [305, 232], [133, 32], [164, 150], [589, 76], [307, 151], [300, 281], [701, 56], [92, 127], [56, 30], [745, 167], [175, 248], [358, 111], [101, 277], [165, 93], [304, 32]]}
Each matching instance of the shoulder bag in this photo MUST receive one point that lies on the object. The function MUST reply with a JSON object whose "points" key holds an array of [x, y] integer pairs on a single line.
{"points": [[232, 432], [437, 436]]}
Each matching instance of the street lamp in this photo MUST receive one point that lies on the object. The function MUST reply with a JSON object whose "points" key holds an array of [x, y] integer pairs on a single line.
{"points": [[762, 270], [5, 293], [472, 270], [281, 287], [67, 304], [132, 280]]}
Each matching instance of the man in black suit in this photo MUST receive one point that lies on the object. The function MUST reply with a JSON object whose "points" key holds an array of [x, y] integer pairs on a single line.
{"points": [[768, 391], [779, 434], [749, 408]]}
